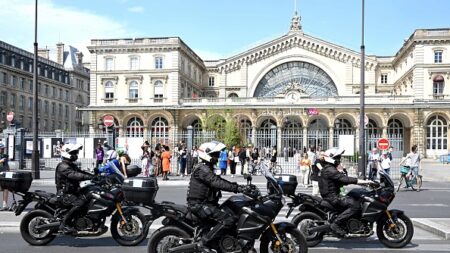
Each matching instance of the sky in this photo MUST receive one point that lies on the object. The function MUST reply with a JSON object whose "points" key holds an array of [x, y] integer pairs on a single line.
{"points": [[217, 29]]}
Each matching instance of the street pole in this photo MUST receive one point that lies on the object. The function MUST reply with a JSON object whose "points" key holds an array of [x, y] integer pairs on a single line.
{"points": [[35, 153], [362, 139]]}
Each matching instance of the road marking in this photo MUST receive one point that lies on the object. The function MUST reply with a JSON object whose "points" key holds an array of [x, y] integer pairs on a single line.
{"points": [[431, 205]]}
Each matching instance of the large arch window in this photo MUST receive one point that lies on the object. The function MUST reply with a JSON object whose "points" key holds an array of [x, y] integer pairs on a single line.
{"points": [[134, 90], [302, 77], [135, 127], [266, 135], [245, 128], [396, 133], [292, 135], [318, 135], [373, 133], [438, 86], [159, 90], [437, 133], [160, 130], [109, 90]]}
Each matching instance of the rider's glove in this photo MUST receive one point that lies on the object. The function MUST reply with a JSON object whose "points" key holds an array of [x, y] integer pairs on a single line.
{"points": [[243, 188], [360, 181]]}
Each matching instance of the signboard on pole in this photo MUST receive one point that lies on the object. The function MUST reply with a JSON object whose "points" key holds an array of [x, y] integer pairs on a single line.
{"points": [[383, 144], [10, 116], [108, 120]]}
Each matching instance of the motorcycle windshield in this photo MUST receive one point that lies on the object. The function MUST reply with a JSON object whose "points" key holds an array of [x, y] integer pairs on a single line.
{"points": [[386, 180], [270, 178]]}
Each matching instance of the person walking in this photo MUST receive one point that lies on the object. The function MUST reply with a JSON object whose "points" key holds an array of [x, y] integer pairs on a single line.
{"points": [[166, 156], [416, 158], [232, 156], [4, 167], [242, 158], [223, 163], [386, 163], [183, 160], [312, 156], [305, 166], [273, 158], [99, 156]]}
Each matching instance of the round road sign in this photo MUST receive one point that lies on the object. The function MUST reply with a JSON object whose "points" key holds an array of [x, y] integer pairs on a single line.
{"points": [[383, 144], [10, 116], [108, 120]]}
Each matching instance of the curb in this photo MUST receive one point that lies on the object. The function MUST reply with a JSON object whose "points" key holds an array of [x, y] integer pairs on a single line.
{"points": [[430, 225]]}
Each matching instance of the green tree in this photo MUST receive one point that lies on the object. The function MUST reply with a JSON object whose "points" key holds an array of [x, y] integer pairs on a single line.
{"points": [[232, 135]]}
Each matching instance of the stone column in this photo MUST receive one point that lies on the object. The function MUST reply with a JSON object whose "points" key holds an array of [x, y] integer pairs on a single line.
{"points": [[145, 133], [254, 135], [330, 137], [279, 150], [357, 139], [121, 131], [384, 132]]}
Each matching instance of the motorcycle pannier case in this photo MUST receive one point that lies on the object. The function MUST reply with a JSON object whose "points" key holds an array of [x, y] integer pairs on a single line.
{"points": [[287, 182], [16, 181], [140, 190]]}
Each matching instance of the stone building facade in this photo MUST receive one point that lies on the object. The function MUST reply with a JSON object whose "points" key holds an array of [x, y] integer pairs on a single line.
{"points": [[294, 91], [57, 88]]}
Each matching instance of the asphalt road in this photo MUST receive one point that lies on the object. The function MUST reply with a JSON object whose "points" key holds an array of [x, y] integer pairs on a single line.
{"points": [[433, 201]]}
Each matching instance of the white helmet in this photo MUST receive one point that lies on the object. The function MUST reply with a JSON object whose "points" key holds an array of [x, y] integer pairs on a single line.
{"points": [[209, 150], [332, 154], [70, 151], [111, 154]]}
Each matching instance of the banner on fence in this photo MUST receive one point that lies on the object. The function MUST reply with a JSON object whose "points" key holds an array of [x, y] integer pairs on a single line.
{"points": [[89, 148], [347, 142], [29, 147], [47, 148], [57, 144], [132, 144]]}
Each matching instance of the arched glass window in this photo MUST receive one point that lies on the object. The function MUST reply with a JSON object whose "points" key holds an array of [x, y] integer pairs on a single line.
{"points": [[318, 135], [292, 135], [134, 90], [159, 89], [245, 127], [197, 126], [396, 133], [437, 133], [135, 127], [233, 95], [372, 128], [438, 86], [266, 135], [160, 130], [109, 90], [341, 127]]}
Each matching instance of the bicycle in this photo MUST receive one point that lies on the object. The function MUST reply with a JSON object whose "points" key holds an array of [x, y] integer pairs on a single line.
{"points": [[411, 180]]}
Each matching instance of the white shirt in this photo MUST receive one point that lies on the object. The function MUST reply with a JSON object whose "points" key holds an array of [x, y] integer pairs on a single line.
{"points": [[385, 163]]}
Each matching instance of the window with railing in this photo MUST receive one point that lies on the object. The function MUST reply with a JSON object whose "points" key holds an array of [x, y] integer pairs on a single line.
{"points": [[135, 127], [159, 91], [438, 86]]}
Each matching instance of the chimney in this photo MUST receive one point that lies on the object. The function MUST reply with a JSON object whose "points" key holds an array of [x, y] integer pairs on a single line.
{"points": [[60, 53], [80, 58], [44, 53]]}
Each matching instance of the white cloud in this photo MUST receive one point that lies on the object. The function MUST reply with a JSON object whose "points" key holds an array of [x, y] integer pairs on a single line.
{"points": [[136, 9], [55, 23]]}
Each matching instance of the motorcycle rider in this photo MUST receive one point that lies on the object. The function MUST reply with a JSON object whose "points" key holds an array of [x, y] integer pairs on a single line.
{"points": [[204, 192], [67, 179], [330, 182]]}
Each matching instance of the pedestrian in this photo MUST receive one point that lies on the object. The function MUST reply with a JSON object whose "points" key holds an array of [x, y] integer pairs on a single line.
{"points": [[267, 152], [416, 158], [233, 157], [242, 158], [273, 158], [183, 159], [165, 157], [145, 159], [298, 160], [4, 167], [312, 156], [194, 154], [106, 146], [223, 157], [156, 162], [285, 154], [99, 156], [390, 151], [254, 160], [305, 166], [373, 162], [315, 173], [386, 163]]}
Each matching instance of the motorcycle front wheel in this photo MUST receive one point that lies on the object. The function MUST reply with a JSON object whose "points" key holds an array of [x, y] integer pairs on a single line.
{"points": [[32, 235], [293, 242], [165, 238], [396, 235], [131, 233]]}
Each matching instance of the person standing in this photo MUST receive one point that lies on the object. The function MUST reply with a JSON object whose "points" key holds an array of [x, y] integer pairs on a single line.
{"points": [[223, 164], [386, 163], [305, 166], [242, 158], [99, 155], [194, 154], [4, 167], [315, 173], [273, 158], [232, 156], [374, 159], [183, 160], [285, 154], [156, 162], [145, 159], [312, 156], [166, 156]]}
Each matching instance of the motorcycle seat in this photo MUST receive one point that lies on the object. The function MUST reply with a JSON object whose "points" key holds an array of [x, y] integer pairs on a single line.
{"points": [[43, 194], [327, 205]]}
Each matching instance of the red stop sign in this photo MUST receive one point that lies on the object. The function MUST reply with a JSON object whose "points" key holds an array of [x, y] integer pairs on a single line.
{"points": [[108, 120], [383, 144], [10, 116]]}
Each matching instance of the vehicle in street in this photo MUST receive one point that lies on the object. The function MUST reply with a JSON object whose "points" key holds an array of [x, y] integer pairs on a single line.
{"points": [[104, 198], [255, 214], [393, 227]]}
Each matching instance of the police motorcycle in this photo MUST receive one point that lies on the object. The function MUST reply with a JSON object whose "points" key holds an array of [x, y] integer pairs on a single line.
{"points": [[41, 225], [394, 229], [182, 230]]}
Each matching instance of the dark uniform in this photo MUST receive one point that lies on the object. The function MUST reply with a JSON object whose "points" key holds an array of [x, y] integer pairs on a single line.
{"points": [[330, 182], [203, 197], [67, 179]]}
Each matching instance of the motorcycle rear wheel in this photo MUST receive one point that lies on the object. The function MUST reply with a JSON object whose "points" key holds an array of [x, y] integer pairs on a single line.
{"points": [[130, 234], [397, 237], [30, 234], [304, 222], [294, 242], [154, 243]]}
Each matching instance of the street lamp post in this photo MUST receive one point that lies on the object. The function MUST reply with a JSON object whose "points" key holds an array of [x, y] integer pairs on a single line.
{"points": [[35, 153], [362, 139]]}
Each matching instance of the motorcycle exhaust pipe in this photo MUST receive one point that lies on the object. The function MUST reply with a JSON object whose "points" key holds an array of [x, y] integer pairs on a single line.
{"points": [[319, 228], [189, 248], [48, 226]]}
